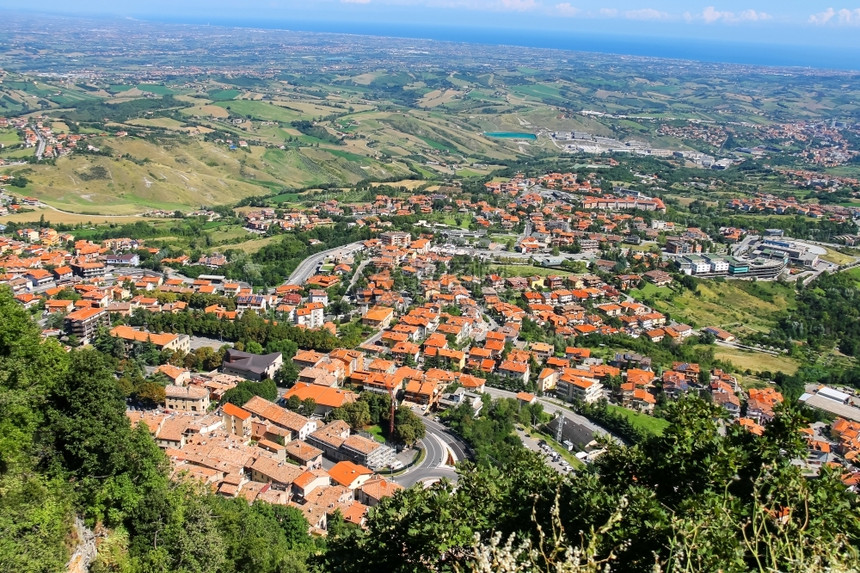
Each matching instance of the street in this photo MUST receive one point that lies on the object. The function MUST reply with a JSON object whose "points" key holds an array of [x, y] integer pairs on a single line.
{"points": [[438, 445], [309, 266]]}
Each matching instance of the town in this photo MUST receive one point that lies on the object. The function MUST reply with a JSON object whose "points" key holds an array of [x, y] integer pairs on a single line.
{"points": [[439, 319]]}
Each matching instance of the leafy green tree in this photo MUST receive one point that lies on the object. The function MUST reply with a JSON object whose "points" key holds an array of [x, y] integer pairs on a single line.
{"points": [[287, 375], [408, 428], [246, 390]]}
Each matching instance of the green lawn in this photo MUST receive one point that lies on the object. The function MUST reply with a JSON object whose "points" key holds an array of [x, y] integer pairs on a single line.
{"points": [[376, 432], [650, 290], [854, 274], [643, 422], [451, 220], [9, 137]]}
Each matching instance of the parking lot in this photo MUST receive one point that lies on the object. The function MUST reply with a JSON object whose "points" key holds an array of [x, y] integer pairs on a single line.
{"points": [[552, 458]]}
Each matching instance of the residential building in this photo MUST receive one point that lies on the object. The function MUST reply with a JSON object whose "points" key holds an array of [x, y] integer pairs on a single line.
{"points": [[349, 474], [310, 316], [378, 317], [297, 426], [88, 270], [326, 398], [236, 420], [375, 490], [186, 398], [164, 341], [304, 454], [84, 323], [395, 239], [580, 389], [518, 370]]}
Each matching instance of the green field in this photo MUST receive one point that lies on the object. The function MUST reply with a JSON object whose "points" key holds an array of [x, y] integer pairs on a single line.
{"points": [[854, 274], [538, 91], [525, 271], [259, 110], [646, 424], [224, 95], [155, 89]]}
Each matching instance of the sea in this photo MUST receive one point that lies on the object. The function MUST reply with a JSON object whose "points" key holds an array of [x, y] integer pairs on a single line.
{"points": [[703, 50]]}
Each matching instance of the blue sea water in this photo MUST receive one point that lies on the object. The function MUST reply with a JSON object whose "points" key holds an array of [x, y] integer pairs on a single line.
{"points": [[760, 54]]}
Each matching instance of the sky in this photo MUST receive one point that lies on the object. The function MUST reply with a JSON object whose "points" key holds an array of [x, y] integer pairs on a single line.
{"points": [[777, 22]]}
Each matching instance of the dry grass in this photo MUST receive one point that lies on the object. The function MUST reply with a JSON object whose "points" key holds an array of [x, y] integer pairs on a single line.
{"points": [[69, 218], [837, 257], [251, 246], [756, 361], [207, 111], [365, 79], [408, 183], [167, 177], [438, 97], [164, 122]]}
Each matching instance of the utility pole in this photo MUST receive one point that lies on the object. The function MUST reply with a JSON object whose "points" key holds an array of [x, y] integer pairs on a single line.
{"points": [[393, 394]]}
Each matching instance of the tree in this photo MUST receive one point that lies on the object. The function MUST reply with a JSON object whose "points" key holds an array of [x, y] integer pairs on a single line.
{"points": [[89, 413], [244, 391], [379, 406], [408, 428], [151, 393], [293, 403], [309, 406], [287, 375], [356, 414]]}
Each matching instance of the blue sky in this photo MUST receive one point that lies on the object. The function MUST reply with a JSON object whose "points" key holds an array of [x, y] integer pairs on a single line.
{"points": [[789, 22]]}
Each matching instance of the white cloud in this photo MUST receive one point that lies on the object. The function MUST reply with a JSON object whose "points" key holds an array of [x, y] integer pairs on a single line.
{"points": [[753, 16], [518, 5], [609, 12], [711, 15], [822, 17], [355, 1], [566, 9], [843, 17], [646, 14]]}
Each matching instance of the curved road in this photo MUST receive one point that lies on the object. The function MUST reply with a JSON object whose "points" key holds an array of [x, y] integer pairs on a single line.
{"points": [[438, 444], [310, 265]]}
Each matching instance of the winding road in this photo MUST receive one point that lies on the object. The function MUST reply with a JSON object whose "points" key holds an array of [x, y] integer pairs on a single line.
{"points": [[309, 266], [439, 444]]}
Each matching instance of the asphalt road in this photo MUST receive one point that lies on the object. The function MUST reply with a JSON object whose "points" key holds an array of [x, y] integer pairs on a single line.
{"points": [[309, 266], [431, 469], [438, 443], [457, 446]]}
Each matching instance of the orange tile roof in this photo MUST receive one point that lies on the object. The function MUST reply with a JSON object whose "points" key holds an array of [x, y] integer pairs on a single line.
{"points": [[346, 472]]}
